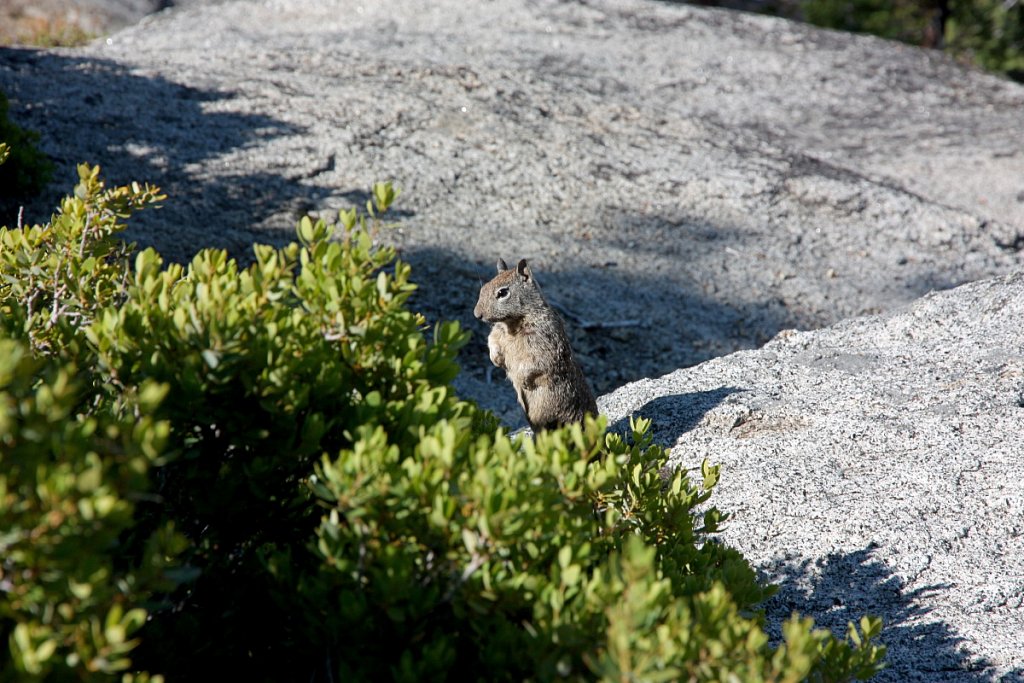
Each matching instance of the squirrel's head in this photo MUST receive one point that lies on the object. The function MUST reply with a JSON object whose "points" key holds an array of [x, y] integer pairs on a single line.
{"points": [[510, 295]]}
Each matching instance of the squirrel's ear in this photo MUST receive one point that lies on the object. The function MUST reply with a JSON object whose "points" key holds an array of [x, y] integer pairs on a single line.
{"points": [[524, 270], [501, 265]]}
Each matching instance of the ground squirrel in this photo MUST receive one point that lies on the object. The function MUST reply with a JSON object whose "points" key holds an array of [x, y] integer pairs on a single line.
{"points": [[528, 341]]}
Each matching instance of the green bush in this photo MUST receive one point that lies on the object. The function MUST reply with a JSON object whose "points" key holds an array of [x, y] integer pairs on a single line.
{"points": [[906, 20], [265, 470], [984, 33], [67, 488], [987, 33]]}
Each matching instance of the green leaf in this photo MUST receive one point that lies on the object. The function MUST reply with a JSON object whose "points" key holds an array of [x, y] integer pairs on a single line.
{"points": [[469, 539]]}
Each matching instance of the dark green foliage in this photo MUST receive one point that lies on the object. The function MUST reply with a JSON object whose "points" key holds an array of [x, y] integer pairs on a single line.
{"points": [[71, 584], [985, 33], [989, 33], [267, 467], [906, 20], [27, 170]]}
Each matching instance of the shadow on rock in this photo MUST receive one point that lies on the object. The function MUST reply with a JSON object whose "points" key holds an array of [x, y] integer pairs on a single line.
{"points": [[674, 415], [359, 199], [842, 587], [661, 336], [149, 129]]}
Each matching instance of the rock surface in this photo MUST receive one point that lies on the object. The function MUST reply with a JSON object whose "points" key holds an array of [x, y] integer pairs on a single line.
{"points": [[875, 467], [715, 177]]}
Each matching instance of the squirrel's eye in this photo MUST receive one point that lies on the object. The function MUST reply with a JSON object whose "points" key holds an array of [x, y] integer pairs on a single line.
{"points": [[502, 293]]}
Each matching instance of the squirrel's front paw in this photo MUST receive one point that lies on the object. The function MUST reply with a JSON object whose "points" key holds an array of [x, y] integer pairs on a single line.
{"points": [[494, 346]]}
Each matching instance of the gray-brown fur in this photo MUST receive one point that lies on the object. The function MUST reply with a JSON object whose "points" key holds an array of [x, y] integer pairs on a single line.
{"points": [[528, 341]]}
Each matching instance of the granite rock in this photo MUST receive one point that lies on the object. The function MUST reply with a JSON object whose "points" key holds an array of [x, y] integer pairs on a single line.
{"points": [[713, 176], [874, 467]]}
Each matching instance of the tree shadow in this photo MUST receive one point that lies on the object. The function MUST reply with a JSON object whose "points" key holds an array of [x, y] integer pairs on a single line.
{"points": [[182, 137], [186, 138], [161, 132], [842, 587], [675, 414]]}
